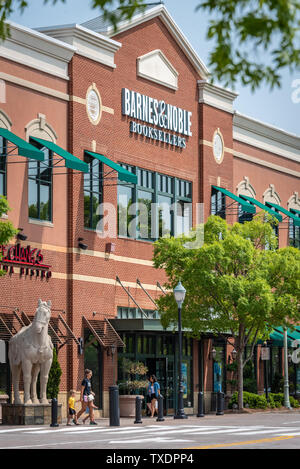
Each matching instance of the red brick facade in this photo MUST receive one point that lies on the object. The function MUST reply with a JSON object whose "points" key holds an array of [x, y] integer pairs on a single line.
{"points": [[84, 282]]}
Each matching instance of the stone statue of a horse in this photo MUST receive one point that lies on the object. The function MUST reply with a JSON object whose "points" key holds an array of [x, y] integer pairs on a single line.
{"points": [[31, 350]]}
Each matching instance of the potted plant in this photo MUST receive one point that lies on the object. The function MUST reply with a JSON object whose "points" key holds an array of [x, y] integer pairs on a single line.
{"points": [[135, 381]]}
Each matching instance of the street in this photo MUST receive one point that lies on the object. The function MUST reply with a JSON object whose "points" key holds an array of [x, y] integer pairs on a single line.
{"points": [[260, 430]]}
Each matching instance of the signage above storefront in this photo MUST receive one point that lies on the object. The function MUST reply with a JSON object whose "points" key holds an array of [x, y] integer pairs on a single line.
{"points": [[167, 117], [30, 261]]}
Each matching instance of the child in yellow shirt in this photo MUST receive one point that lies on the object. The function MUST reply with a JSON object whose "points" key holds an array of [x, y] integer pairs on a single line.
{"points": [[71, 404]]}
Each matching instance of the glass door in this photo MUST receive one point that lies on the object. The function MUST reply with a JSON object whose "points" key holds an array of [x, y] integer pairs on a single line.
{"points": [[165, 377]]}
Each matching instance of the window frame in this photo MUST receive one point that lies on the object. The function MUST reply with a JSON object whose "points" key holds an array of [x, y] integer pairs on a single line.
{"points": [[220, 213], [159, 182], [99, 177], [38, 180], [4, 171]]}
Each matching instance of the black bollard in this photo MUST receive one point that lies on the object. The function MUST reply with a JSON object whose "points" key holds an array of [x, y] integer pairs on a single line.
{"points": [[220, 403], [138, 410], [160, 409], [54, 413], [200, 405], [114, 409]]}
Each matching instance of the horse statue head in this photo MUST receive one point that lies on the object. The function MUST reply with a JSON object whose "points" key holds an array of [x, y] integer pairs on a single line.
{"points": [[42, 315]]}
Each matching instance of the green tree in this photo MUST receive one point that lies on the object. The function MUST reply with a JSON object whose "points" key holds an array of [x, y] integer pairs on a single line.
{"points": [[252, 40], [54, 378], [7, 230], [238, 284]]}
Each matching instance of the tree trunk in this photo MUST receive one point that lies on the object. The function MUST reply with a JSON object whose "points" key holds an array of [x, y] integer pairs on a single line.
{"points": [[240, 379], [240, 359]]}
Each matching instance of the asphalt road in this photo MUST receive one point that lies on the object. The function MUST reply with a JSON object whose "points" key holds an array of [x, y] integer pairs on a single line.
{"points": [[267, 430]]}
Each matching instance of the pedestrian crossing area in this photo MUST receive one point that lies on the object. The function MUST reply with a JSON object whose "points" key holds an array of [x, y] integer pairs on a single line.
{"points": [[157, 434]]}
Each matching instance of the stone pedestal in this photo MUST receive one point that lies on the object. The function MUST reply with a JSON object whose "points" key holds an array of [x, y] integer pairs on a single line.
{"points": [[33, 414]]}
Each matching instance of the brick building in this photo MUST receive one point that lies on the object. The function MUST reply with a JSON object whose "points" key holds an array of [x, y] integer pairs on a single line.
{"points": [[117, 119]]}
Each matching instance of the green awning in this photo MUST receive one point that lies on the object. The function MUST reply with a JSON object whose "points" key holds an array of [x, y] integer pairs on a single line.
{"points": [[24, 148], [71, 161], [289, 214], [123, 174], [246, 206], [263, 207], [277, 335]]}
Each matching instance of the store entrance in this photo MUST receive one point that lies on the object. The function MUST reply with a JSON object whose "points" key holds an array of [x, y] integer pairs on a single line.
{"points": [[163, 369]]}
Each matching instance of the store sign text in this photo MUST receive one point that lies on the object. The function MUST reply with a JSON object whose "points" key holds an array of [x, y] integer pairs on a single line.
{"points": [[158, 113], [30, 261]]}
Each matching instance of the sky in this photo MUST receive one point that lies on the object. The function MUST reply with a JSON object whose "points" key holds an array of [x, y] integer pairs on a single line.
{"points": [[280, 107]]}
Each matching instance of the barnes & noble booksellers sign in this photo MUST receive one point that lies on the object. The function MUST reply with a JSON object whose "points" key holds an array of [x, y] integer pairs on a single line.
{"points": [[168, 118]]}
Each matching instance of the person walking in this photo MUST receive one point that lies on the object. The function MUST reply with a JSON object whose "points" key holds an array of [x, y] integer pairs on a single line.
{"points": [[153, 392], [72, 411], [86, 396]]}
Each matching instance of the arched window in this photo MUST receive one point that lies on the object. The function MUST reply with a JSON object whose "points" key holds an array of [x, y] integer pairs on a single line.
{"points": [[245, 188], [294, 231], [40, 172]]}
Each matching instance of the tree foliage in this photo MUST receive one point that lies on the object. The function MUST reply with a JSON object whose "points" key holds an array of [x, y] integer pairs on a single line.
{"points": [[252, 40], [238, 284], [7, 230]]}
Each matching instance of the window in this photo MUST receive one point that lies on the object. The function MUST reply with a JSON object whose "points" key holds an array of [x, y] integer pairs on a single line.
{"points": [[159, 205], [3, 155], [244, 216], [294, 231], [40, 186], [218, 203], [92, 187], [275, 227]]}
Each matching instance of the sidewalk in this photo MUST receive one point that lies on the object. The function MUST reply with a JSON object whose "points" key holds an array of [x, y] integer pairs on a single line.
{"points": [[193, 419]]}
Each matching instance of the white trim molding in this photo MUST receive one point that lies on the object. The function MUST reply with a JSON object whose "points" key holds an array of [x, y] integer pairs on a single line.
{"points": [[266, 137], [245, 188], [160, 12], [216, 96], [294, 201], [87, 43], [271, 195], [40, 128], [155, 67], [5, 121], [38, 51]]}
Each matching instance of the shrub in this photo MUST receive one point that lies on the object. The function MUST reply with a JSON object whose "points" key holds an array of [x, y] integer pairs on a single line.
{"points": [[251, 400], [54, 378], [256, 401]]}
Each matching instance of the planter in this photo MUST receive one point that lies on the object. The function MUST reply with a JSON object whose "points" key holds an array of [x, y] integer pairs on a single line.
{"points": [[3, 400], [127, 405]]}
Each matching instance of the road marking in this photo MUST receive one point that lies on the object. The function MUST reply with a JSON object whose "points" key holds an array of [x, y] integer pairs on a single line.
{"points": [[23, 429], [153, 440], [240, 443], [261, 432]]}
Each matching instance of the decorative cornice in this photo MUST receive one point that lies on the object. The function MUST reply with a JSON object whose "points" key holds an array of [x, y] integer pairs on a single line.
{"points": [[88, 43], [216, 96], [36, 50], [266, 137], [161, 12]]}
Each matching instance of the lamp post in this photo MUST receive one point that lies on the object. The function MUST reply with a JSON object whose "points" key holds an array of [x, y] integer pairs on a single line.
{"points": [[179, 294], [286, 389], [113, 349]]}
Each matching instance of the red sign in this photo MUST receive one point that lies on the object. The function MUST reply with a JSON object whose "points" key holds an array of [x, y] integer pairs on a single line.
{"points": [[29, 260]]}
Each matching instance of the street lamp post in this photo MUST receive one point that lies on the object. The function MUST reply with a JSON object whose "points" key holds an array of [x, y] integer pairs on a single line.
{"points": [[286, 371], [179, 294]]}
